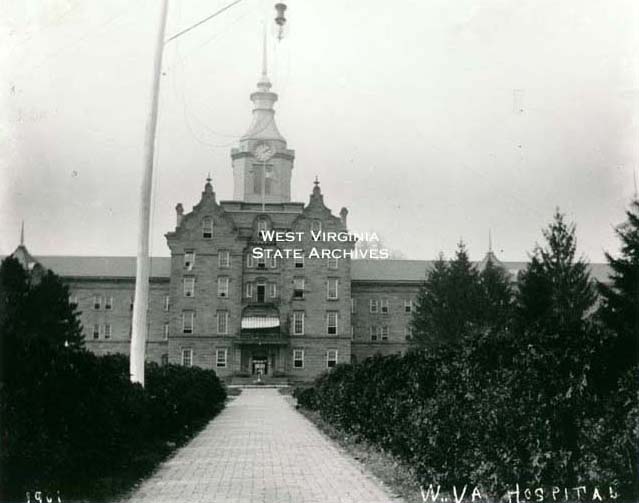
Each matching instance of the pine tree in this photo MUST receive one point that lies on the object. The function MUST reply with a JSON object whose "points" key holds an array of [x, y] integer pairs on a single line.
{"points": [[448, 305], [620, 298], [555, 292], [497, 296], [37, 321], [556, 346]]}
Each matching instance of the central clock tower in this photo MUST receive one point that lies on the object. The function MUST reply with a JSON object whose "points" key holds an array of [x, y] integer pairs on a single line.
{"points": [[262, 164]]}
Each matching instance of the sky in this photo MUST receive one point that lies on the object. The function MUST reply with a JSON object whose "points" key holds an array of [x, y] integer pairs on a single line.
{"points": [[431, 121]]}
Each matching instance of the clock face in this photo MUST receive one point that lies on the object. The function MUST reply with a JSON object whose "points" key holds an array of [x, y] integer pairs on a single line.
{"points": [[263, 152]]}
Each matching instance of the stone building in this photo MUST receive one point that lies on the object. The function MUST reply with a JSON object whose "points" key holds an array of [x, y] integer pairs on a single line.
{"points": [[216, 303]]}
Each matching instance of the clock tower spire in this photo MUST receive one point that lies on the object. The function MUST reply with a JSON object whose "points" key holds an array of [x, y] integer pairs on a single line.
{"points": [[262, 164]]}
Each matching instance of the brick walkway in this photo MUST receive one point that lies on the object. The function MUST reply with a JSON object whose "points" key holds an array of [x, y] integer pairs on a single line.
{"points": [[260, 449]]}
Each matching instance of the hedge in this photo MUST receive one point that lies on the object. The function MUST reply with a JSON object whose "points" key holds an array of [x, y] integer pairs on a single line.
{"points": [[491, 415], [77, 425]]}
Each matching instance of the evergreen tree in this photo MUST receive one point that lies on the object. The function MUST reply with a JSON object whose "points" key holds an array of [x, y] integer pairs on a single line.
{"points": [[555, 291], [556, 346], [448, 303], [497, 296], [620, 299], [37, 321]]}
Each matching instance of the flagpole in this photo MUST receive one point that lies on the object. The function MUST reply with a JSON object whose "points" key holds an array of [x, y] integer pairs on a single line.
{"points": [[140, 303]]}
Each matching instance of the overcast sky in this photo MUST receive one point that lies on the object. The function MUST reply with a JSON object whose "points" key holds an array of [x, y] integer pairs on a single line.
{"points": [[430, 120]]}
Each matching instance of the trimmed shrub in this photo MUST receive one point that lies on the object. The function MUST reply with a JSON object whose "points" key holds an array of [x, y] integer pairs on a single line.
{"points": [[491, 414], [76, 424]]}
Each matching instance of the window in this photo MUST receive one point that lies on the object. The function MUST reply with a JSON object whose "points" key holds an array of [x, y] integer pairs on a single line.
{"points": [[374, 306], [384, 333], [167, 302], [107, 331], [220, 358], [408, 306], [352, 305], [273, 262], [224, 259], [331, 322], [108, 303], [408, 332], [164, 359], [298, 322], [131, 304], [74, 300], [207, 227], [261, 262], [261, 291], [299, 262], [262, 226], [273, 290], [298, 288], [222, 286], [250, 260], [249, 290], [374, 333], [187, 357], [331, 358], [187, 321], [333, 263], [222, 322], [189, 287], [96, 331], [316, 226], [298, 358], [189, 259], [166, 331], [332, 287], [384, 306], [97, 302]]}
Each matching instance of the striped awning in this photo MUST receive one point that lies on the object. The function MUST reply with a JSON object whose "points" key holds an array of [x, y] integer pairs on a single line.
{"points": [[257, 322]]}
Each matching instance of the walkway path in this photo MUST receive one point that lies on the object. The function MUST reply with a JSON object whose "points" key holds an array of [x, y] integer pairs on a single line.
{"points": [[260, 449]]}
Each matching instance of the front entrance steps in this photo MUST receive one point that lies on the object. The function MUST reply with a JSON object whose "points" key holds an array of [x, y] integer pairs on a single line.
{"points": [[252, 381]]}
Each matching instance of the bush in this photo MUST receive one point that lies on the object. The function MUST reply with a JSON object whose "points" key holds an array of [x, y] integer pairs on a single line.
{"points": [[485, 415], [76, 424]]}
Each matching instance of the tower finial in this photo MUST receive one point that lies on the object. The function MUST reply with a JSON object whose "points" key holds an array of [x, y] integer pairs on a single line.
{"points": [[316, 182], [22, 234], [208, 178], [264, 84], [490, 241]]}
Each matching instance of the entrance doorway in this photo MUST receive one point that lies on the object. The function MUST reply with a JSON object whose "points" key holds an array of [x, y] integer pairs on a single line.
{"points": [[259, 366]]}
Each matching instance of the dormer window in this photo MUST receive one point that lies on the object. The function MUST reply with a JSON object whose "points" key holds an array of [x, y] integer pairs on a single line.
{"points": [[316, 226], [207, 227], [261, 263]]}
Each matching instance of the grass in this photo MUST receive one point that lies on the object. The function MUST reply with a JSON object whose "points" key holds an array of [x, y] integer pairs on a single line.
{"points": [[399, 478]]}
